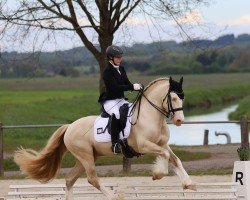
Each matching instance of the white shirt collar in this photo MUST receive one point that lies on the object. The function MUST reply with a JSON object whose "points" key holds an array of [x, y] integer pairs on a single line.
{"points": [[115, 66]]}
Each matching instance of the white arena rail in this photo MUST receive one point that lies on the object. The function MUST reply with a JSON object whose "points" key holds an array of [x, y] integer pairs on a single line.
{"points": [[50, 191], [206, 191]]}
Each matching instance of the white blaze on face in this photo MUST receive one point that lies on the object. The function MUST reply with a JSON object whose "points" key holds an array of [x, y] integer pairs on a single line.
{"points": [[178, 118]]}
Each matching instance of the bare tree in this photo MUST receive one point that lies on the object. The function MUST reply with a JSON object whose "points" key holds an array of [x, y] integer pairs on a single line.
{"points": [[103, 17]]}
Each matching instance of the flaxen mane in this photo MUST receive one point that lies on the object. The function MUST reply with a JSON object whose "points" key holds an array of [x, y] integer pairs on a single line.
{"points": [[155, 81]]}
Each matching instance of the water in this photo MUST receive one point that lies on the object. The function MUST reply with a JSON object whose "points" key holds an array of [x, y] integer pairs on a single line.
{"points": [[193, 134]]}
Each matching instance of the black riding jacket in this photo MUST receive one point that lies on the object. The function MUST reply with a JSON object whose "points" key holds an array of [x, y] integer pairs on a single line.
{"points": [[115, 83]]}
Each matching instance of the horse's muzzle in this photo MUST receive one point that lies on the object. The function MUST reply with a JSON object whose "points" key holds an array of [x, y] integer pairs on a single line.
{"points": [[178, 122]]}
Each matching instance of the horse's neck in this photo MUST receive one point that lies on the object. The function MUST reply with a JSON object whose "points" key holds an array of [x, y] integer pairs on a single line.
{"points": [[155, 94]]}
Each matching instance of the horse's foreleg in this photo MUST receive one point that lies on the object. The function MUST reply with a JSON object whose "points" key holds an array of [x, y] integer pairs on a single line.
{"points": [[178, 168], [160, 167], [71, 178]]}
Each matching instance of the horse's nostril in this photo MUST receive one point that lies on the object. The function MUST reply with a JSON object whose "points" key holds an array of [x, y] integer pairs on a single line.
{"points": [[178, 121]]}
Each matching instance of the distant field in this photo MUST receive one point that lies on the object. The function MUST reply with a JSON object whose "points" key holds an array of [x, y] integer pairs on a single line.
{"points": [[190, 81], [63, 100]]}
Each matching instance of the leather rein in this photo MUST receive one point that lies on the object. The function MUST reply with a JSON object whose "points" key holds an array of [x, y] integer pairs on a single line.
{"points": [[171, 111]]}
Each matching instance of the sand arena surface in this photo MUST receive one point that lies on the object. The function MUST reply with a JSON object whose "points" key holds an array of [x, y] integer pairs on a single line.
{"points": [[4, 184]]}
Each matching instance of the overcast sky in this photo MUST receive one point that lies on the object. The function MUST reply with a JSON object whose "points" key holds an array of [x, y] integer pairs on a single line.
{"points": [[235, 14], [219, 18]]}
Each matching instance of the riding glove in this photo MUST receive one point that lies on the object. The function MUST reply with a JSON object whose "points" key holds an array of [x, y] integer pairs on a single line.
{"points": [[137, 86]]}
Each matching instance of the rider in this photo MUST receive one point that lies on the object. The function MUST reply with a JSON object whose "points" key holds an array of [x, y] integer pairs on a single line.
{"points": [[116, 82]]}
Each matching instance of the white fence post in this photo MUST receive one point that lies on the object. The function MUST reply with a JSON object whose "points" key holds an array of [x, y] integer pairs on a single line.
{"points": [[241, 175]]}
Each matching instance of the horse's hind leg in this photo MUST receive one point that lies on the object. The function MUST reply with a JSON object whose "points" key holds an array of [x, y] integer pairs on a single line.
{"points": [[178, 168], [71, 178], [89, 165]]}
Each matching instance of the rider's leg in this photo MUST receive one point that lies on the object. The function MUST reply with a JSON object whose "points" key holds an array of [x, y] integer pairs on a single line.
{"points": [[112, 107], [115, 130]]}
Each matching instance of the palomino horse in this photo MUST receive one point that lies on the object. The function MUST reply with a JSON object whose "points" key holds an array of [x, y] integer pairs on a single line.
{"points": [[150, 134]]}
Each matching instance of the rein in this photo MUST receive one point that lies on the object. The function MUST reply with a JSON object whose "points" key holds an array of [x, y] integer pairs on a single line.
{"points": [[162, 111], [137, 99]]}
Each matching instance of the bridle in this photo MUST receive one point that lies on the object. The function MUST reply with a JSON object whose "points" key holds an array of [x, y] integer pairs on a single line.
{"points": [[169, 102], [171, 111]]}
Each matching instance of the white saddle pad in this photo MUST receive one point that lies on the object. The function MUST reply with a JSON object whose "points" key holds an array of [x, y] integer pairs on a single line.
{"points": [[100, 125]]}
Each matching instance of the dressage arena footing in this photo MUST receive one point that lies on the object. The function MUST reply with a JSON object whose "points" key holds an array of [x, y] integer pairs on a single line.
{"points": [[208, 187]]}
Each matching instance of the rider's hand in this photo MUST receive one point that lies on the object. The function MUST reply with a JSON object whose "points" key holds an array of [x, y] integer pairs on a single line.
{"points": [[137, 86]]}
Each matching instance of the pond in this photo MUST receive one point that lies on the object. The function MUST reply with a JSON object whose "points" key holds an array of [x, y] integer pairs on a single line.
{"points": [[193, 134]]}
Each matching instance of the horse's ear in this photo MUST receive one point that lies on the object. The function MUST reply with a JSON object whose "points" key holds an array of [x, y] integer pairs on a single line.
{"points": [[181, 80], [170, 79]]}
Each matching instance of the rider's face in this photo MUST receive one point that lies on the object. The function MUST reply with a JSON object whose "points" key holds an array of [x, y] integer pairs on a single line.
{"points": [[117, 60]]}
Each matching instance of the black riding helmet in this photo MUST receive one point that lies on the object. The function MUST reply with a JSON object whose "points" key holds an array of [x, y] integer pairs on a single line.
{"points": [[114, 51]]}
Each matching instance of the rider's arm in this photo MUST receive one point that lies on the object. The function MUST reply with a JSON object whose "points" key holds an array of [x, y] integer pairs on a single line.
{"points": [[125, 75], [111, 83]]}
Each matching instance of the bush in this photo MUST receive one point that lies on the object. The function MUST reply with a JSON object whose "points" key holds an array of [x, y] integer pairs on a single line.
{"points": [[244, 153]]}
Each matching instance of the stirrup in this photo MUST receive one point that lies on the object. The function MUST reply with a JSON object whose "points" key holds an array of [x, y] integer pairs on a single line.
{"points": [[116, 148]]}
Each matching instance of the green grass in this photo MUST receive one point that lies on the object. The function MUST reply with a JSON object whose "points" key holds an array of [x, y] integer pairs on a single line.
{"points": [[40, 84], [144, 173], [69, 161], [243, 109], [149, 158], [197, 172], [43, 107], [213, 96], [64, 109], [215, 171]]}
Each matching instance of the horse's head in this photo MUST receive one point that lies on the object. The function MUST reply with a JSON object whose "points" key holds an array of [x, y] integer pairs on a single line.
{"points": [[170, 103], [173, 101]]}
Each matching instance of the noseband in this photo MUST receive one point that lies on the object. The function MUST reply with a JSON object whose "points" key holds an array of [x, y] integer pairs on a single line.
{"points": [[171, 111]]}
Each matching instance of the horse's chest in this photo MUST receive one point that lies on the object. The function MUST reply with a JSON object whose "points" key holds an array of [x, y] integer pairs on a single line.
{"points": [[163, 139], [159, 138]]}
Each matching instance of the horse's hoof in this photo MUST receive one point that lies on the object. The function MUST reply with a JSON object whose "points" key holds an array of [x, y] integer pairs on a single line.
{"points": [[119, 196], [190, 187], [157, 176]]}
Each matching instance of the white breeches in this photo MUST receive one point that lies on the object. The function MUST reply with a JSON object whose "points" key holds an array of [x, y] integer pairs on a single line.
{"points": [[113, 106]]}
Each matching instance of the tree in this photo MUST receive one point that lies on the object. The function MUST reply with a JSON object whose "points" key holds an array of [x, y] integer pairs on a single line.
{"points": [[103, 17], [207, 58]]}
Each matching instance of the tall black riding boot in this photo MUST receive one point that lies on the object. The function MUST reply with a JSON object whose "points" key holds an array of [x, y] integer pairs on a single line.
{"points": [[115, 130]]}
